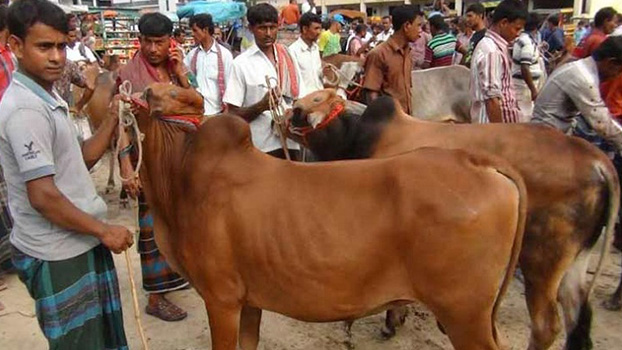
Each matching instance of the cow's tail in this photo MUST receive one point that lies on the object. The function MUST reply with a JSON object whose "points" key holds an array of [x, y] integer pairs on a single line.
{"points": [[515, 177]]}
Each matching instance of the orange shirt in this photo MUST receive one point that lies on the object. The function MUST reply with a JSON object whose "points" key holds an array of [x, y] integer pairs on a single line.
{"points": [[612, 94], [290, 14], [589, 44]]}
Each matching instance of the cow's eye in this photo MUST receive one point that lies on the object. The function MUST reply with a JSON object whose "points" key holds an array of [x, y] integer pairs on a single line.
{"points": [[317, 99]]}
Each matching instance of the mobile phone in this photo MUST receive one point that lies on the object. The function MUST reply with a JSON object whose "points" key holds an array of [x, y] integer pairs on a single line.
{"points": [[173, 44]]}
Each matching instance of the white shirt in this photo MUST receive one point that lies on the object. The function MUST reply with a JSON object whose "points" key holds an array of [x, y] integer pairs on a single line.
{"points": [[309, 63], [617, 31], [246, 85], [366, 39], [306, 7], [74, 55], [207, 74], [384, 36]]}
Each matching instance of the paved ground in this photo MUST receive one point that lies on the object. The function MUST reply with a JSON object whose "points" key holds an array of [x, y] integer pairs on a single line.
{"points": [[19, 328]]}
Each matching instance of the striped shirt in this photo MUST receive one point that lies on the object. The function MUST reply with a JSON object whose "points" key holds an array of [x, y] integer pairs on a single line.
{"points": [[440, 50], [491, 77]]}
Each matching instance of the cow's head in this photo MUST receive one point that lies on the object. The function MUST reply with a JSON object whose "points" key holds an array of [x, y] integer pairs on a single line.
{"points": [[168, 99], [317, 111]]}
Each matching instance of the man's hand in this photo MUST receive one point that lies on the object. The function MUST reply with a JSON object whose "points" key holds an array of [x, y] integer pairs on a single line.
{"points": [[265, 101], [116, 238], [534, 94], [176, 56]]}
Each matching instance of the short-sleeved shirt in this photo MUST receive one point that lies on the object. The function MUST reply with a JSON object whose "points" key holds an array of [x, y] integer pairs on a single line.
{"points": [[291, 14], [387, 71], [38, 139], [323, 40], [571, 90], [612, 93], [246, 86], [491, 77], [440, 50], [555, 39], [526, 52], [71, 75]]}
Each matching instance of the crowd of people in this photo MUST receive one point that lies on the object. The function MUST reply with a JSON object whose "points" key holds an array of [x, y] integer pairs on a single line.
{"points": [[59, 242]]}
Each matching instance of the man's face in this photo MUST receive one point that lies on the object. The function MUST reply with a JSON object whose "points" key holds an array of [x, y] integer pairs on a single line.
{"points": [[155, 48], [386, 24], [510, 30], [265, 34], [198, 34], [473, 20], [217, 33], [72, 37], [312, 32], [412, 29], [610, 25], [42, 53], [377, 30], [179, 39]]}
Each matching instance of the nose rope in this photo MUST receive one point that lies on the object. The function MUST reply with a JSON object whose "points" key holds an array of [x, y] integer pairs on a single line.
{"points": [[127, 119], [277, 111]]}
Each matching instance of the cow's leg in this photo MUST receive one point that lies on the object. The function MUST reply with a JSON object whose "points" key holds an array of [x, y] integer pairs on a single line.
{"points": [[250, 322], [224, 323], [614, 303], [577, 310], [470, 330], [394, 319], [541, 295]]}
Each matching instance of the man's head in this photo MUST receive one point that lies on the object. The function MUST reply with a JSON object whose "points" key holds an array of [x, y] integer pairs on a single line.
{"points": [[386, 23], [293, 2], [407, 19], [310, 26], [155, 37], [263, 21], [608, 57], [72, 36], [376, 28], [437, 25], [202, 27], [360, 30], [475, 14], [337, 23], [217, 33], [552, 21], [605, 19], [38, 38], [533, 22], [509, 19], [178, 34]]}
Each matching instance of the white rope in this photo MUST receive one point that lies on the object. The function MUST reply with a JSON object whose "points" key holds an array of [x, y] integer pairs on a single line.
{"points": [[338, 73], [127, 119], [276, 111]]}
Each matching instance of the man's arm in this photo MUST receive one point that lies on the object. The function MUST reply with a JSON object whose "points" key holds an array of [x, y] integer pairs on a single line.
{"points": [[526, 74], [93, 148], [252, 112], [489, 71], [493, 109], [374, 76], [179, 68], [46, 198]]}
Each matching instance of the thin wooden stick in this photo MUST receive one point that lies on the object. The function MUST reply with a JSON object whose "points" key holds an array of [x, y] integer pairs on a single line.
{"points": [[133, 288]]}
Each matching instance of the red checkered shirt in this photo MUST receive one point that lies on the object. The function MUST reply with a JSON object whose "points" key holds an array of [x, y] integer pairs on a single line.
{"points": [[6, 69]]}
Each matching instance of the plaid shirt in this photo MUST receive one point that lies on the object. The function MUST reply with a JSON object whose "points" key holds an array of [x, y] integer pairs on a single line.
{"points": [[7, 66]]}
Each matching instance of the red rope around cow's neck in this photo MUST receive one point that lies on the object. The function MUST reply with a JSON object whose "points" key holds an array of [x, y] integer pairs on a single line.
{"points": [[305, 130], [193, 121]]}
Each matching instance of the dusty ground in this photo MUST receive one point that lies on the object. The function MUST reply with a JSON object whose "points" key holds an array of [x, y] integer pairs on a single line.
{"points": [[19, 328]]}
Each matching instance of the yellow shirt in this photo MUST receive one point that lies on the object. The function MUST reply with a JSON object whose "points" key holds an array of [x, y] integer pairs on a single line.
{"points": [[324, 37]]}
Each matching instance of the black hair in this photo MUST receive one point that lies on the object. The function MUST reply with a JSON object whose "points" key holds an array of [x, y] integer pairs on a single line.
{"points": [[533, 22], [360, 28], [262, 13], [510, 10], [477, 9], [23, 14], [178, 32], [403, 14], [202, 20], [611, 48], [326, 25], [155, 25], [603, 15], [553, 19], [308, 18], [581, 23], [438, 23], [3, 13], [385, 17]]}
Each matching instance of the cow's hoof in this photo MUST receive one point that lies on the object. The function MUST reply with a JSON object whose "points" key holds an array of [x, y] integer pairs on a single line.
{"points": [[387, 333], [613, 304]]}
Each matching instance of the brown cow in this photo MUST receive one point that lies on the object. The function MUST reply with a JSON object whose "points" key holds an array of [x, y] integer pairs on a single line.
{"points": [[326, 242], [573, 192]]}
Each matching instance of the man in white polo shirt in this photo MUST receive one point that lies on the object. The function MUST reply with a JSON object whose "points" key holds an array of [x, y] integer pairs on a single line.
{"points": [[210, 62], [76, 50], [306, 52], [247, 93]]}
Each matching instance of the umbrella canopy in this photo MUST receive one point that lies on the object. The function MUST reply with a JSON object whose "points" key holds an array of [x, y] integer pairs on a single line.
{"points": [[221, 10]]}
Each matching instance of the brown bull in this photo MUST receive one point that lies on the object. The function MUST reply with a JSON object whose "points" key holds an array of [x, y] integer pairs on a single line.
{"points": [[327, 242], [572, 186]]}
